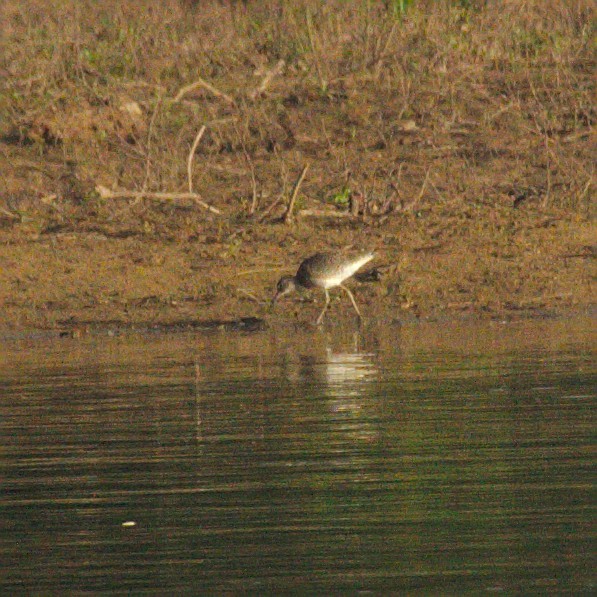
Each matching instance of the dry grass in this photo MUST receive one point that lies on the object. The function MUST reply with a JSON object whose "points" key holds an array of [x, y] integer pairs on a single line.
{"points": [[441, 125]]}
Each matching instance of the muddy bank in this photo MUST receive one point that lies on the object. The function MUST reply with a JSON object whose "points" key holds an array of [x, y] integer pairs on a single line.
{"points": [[454, 140], [503, 263]]}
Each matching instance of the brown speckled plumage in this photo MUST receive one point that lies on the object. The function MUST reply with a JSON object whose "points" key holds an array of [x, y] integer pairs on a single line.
{"points": [[325, 271]]}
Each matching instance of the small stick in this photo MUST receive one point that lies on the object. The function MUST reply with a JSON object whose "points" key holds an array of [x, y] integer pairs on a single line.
{"points": [[278, 200], [232, 171], [499, 112], [253, 180], [149, 138], [254, 183], [297, 186], [437, 191], [191, 155], [251, 296], [260, 270], [271, 207], [271, 73], [202, 83], [586, 189], [106, 193], [423, 187], [324, 213], [547, 171]]}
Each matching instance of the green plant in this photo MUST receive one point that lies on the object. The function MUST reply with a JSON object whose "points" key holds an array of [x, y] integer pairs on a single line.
{"points": [[342, 197], [399, 7]]}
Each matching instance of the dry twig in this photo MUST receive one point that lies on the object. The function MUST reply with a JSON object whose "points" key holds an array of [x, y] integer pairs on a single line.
{"points": [[191, 156], [423, 188], [267, 79], [202, 83], [251, 296], [271, 207], [106, 193], [325, 213], [149, 138], [297, 186]]}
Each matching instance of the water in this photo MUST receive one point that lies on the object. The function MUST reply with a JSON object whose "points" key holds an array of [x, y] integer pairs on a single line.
{"points": [[423, 459]]}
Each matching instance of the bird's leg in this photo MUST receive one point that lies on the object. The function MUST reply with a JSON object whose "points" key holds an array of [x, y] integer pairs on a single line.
{"points": [[354, 303], [327, 302]]}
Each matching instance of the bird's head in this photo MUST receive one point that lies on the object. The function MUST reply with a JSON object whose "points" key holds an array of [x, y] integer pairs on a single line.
{"points": [[285, 285]]}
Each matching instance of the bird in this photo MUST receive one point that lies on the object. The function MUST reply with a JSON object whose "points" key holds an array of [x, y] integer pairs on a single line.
{"points": [[325, 270]]}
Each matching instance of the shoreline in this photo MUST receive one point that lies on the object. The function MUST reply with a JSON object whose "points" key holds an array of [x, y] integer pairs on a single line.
{"points": [[252, 325]]}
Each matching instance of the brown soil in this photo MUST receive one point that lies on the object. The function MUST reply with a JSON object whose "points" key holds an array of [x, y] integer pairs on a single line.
{"points": [[455, 139]]}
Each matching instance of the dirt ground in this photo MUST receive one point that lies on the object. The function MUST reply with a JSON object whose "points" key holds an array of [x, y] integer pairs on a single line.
{"points": [[453, 138]]}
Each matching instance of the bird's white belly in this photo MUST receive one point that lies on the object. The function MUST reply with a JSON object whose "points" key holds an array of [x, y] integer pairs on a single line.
{"points": [[345, 272], [333, 281]]}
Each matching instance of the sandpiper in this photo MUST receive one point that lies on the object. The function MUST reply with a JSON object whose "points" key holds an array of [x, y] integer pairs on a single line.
{"points": [[325, 270]]}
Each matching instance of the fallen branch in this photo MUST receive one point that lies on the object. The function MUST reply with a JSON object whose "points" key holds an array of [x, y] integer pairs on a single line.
{"points": [[202, 83], [297, 186], [106, 193]]}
